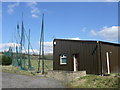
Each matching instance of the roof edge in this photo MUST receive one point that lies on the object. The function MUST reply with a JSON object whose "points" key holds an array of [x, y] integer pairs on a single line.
{"points": [[103, 42]]}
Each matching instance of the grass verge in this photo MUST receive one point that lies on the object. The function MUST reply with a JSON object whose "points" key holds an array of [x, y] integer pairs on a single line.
{"points": [[48, 65], [96, 81]]}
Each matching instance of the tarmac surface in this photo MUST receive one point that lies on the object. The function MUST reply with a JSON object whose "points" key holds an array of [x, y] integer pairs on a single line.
{"points": [[10, 80]]}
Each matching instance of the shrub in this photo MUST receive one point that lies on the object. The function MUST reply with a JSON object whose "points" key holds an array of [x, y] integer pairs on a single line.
{"points": [[6, 60], [19, 62]]}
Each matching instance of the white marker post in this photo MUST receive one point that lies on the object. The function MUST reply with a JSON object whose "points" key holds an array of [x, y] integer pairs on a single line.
{"points": [[74, 64], [108, 66]]}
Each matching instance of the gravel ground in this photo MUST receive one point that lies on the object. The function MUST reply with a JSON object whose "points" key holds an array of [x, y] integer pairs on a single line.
{"points": [[22, 81]]}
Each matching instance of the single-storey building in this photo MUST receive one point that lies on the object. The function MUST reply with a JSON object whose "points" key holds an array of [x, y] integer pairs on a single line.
{"points": [[95, 57]]}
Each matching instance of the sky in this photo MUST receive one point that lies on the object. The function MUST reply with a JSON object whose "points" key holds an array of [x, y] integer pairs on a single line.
{"points": [[62, 20]]}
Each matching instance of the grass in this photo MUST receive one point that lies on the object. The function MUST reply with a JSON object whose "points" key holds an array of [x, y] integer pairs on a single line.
{"points": [[48, 65], [96, 81]]}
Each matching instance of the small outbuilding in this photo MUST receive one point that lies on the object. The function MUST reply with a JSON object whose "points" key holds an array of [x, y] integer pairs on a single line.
{"points": [[95, 57]]}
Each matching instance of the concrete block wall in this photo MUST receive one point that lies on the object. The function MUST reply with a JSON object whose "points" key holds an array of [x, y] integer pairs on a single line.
{"points": [[66, 75]]}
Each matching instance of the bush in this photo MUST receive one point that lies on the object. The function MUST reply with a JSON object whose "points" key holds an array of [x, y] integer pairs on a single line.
{"points": [[6, 60]]}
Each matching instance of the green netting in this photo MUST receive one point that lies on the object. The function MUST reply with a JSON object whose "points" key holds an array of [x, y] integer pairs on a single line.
{"points": [[15, 62], [18, 58], [9, 53]]}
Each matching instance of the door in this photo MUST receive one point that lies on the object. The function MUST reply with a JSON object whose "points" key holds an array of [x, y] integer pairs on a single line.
{"points": [[75, 62]]}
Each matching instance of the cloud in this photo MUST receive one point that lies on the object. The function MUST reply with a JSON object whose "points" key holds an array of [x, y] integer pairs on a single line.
{"points": [[84, 29], [34, 16], [107, 33], [11, 7], [48, 46], [5, 46], [93, 33], [31, 51], [77, 38], [35, 51], [34, 10]]}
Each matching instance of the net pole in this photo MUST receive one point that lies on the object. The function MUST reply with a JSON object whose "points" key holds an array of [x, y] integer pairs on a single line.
{"points": [[43, 45]]}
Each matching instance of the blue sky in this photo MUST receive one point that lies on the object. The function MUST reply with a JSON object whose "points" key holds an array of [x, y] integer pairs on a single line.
{"points": [[79, 20]]}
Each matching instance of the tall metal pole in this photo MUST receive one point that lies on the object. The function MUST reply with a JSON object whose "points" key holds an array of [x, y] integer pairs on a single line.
{"points": [[39, 57], [17, 56], [43, 45], [18, 35], [18, 32], [21, 43], [39, 53], [11, 54], [29, 62], [17, 38], [17, 52], [41, 49]]}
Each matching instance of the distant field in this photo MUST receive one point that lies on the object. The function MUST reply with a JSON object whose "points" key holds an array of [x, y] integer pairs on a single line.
{"points": [[48, 65], [1, 55]]}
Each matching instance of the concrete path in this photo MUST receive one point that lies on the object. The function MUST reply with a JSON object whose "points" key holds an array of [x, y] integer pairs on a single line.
{"points": [[22, 81]]}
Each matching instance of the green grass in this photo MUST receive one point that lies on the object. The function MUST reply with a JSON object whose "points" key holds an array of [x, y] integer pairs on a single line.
{"points": [[48, 65], [95, 81]]}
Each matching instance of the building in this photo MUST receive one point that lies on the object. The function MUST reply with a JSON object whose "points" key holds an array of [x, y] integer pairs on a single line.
{"points": [[96, 57]]}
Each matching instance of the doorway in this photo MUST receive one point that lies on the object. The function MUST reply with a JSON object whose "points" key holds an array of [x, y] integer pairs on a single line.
{"points": [[75, 62]]}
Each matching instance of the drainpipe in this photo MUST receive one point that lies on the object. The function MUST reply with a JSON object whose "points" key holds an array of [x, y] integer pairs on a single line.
{"points": [[108, 66], [101, 59]]}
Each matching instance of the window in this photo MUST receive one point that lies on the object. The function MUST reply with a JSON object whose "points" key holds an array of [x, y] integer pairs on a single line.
{"points": [[63, 59]]}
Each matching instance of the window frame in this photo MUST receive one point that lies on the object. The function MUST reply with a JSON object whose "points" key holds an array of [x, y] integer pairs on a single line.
{"points": [[62, 56]]}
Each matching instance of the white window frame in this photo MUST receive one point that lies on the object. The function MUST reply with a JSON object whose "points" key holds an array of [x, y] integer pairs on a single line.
{"points": [[63, 56]]}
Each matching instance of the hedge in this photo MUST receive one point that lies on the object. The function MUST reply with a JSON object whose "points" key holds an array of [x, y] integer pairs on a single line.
{"points": [[6, 60]]}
